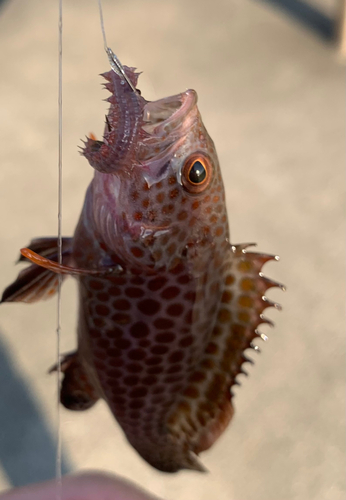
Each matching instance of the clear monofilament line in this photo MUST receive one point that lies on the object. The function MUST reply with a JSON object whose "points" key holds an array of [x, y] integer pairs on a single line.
{"points": [[102, 26], [58, 328]]}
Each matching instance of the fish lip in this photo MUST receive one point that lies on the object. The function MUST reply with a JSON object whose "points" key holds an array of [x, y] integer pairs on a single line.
{"points": [[163, 116]]}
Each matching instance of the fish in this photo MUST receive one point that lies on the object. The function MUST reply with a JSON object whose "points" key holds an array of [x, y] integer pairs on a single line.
{"points": [[167, 305]]}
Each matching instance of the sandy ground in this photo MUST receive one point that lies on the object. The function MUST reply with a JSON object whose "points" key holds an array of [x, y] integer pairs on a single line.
{"points": [[271, 95]]}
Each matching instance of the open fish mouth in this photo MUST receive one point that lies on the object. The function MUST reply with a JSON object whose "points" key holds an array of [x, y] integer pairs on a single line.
{"points": [[139, 133], [159, 111], [165, 124], [165, 115]]}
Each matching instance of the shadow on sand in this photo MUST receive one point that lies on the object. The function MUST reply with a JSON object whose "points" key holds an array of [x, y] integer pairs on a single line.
{"points": [[308, 15], [27, 448]]}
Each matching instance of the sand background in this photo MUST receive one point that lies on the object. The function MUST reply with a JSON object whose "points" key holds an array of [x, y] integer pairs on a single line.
{"points": [[271, 93]]}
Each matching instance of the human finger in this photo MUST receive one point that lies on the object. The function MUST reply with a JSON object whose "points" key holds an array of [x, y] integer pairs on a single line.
{"points": [[86, 486]]}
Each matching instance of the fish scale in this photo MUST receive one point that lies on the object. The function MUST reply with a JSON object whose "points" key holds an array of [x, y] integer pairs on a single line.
{"points": [[167, 305]]}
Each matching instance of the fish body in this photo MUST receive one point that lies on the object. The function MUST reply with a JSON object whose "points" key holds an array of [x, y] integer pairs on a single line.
{"points": [[167, 306]]}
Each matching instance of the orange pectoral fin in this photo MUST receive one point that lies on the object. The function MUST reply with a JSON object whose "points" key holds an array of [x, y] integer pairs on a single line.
{"points": [[32, 284], [48, 247], [51, 265], [36, 282], [57, 268]]}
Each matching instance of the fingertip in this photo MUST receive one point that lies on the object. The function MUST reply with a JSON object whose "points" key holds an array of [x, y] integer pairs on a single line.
{"points": [[89, 485]]}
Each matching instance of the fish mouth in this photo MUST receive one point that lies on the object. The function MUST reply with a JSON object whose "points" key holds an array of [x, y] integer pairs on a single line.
{"points": [[165, 124], [157, 112], [138, 132], [165, 115]]}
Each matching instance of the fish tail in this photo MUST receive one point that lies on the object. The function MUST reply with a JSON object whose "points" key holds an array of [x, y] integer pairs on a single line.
{"points": [[166, 453]]}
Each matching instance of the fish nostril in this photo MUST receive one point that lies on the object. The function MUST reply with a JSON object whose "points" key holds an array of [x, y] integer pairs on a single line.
{"points": [[184, 251]]}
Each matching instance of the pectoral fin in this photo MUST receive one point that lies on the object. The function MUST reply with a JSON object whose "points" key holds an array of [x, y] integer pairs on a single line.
{"points": [[63, 269], [77, 392], [36, 283]]}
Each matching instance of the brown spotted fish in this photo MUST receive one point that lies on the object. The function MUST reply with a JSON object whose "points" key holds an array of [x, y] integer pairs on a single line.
{"points": [[167, 305]]}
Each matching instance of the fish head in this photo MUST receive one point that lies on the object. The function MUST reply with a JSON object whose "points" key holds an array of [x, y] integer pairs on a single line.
{"points": [[157, 193]]}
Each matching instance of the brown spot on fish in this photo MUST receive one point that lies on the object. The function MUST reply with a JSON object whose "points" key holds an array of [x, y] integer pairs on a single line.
{"points": [[229, 279], [211, 348], [177, 267], [157, 283], [139, 330], [243, 316], [103, 297], [131, 380], [247, 285], [102, 310], [174, 193], [160, 197], [138, 216], [167, 209], [114, 291], [219, 231], [227, 296], [176, 356], [121, 304], [121, 318], [174, 369], [170, 292], [139, 392], [183, 280], [175, 309], [224, 316], [134, 367], [186, 341], [165, 337], [159, 349], [134, 292], [163, 323], [96, 284], [149, 306], [182, 215], [137, 354], [245, 301], [198, 377], [98, 321], [191, 392]]}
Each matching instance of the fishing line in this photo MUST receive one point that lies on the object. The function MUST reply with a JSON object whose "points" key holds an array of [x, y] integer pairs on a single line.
{"points": [[102, 26], [58, 471], [114, 62], [117, 67]]}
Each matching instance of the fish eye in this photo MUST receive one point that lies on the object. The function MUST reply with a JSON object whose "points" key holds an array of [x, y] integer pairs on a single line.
{"points": [[196, 173]]}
